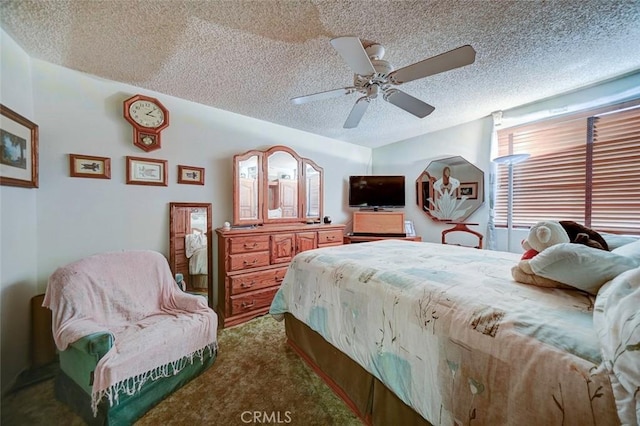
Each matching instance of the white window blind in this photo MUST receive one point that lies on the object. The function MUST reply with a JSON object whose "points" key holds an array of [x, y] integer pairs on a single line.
{"points": [[584, 167]]}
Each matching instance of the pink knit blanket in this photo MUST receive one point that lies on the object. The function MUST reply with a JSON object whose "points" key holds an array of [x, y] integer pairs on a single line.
{"points": [[133, 296]]}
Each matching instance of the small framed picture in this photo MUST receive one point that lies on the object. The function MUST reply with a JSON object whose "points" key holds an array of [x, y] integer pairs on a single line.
{"points": [[468, 189], [409, 230], [191, 175], [146, 171], [88, 166], [18, 150]]}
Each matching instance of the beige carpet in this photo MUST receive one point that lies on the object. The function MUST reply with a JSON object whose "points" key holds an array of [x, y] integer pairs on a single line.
{"points": [[256, 379]]}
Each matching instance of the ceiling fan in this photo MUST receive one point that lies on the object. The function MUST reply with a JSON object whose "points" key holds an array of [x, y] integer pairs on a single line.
{"points": [[375, 76]]}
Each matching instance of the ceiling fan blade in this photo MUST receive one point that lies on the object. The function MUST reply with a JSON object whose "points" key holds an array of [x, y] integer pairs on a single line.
{"points": [[323, 95], [455, 58], [357, 112], [351, 50], [408, 103]]}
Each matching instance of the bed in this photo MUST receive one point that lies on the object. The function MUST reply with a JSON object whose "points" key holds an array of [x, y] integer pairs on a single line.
{"points": [[441, 334]]}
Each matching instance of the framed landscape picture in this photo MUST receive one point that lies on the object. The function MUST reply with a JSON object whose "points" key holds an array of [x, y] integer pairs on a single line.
{"points": [[146, 171], [191, 175], [18, 150], [89, 166]]}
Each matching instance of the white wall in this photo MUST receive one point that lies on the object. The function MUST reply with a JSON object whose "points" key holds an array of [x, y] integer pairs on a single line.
{"points": [[76, 217], [81, 114], [410, 157], [18, 227]]}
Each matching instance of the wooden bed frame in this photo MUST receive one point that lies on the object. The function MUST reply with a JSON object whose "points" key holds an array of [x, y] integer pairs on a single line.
{"points": [[365, 395]]}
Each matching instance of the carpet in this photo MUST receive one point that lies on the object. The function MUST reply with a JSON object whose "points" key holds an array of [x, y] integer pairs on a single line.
{"points": [[256, 379]]}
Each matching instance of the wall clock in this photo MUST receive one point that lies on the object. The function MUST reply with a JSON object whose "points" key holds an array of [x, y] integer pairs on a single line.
{"points": [[148, 118]]}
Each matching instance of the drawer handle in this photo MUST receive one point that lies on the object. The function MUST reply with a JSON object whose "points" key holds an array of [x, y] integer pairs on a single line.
{"points": [[254, 245], [279, 280], [248, 305], [331, 237], [245, 285], [253, 262]]}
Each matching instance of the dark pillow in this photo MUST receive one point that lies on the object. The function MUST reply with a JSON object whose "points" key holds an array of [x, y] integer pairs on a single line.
{"points": [[580, 234]]}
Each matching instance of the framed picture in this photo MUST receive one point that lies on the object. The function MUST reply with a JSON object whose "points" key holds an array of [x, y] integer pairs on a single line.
{"points": [[470, 189], [409, 230], [191, 175], [89, 166], [146, 171], [18, 150]]}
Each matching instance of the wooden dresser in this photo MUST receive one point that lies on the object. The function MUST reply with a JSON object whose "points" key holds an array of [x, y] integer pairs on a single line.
{"points": [[252, 264]]}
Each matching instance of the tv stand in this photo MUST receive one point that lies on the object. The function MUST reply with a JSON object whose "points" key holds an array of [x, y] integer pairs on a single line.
{"points": [[378, 222]]}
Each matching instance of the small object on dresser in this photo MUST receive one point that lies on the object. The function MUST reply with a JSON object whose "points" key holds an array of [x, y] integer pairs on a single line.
{"points": [[226, 226], [327, 219]]}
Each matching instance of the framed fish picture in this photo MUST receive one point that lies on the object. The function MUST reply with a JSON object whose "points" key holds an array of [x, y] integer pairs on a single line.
{"points": [[146, 171], [191, 175]]}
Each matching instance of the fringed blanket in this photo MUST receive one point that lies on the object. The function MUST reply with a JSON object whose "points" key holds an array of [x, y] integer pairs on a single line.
{"points": [[157, 328]]}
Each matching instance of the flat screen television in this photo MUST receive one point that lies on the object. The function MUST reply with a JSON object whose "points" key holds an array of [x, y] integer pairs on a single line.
{"points": [[376, 191]]}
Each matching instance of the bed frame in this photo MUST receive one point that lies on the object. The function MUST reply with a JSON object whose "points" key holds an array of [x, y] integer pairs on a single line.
{"points": [[365, 395]]}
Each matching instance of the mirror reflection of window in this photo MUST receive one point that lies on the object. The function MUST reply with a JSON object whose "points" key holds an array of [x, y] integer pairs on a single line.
{"points": [[313, 191]]}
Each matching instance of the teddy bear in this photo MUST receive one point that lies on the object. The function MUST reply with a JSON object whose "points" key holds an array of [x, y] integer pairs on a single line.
{"points": [[542, 235]]}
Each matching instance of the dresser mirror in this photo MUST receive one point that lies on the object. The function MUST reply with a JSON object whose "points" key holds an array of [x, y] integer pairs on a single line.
{"points": [[248, 173], [282, 187], [276, 186], [190, 247], [313, 185], [450, 189]]}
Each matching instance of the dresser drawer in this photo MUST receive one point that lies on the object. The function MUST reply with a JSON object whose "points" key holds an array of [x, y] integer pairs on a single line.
{"points": [[248, 260], [330, 237], [256, 280], [248, 244], [251, 301]]}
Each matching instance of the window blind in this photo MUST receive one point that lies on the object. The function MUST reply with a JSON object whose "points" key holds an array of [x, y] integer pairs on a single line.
{"points": [[584, 167]]}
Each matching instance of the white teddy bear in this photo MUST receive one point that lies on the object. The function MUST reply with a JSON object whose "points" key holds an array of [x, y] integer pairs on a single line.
{"points": [[541, 236]]}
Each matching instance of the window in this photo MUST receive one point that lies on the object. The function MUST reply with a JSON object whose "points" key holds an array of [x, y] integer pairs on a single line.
{"points": [[584, 167]]}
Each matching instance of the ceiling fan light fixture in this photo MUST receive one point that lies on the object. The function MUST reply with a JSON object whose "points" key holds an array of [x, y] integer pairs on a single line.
{"points": [[373, 75], [375, 51], [373, 91]]}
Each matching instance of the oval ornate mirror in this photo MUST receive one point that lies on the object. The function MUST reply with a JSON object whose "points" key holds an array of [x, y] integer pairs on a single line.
{"points": [[190, 247], [450, 189]]}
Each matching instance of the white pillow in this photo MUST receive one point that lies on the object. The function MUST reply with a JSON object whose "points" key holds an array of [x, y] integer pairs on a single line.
{"points": [[631, 250], [275, 213], [614, 240], [579, 266]]}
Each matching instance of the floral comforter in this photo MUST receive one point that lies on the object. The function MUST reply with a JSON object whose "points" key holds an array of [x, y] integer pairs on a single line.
{"points": [[452, 335], [617, 320]]}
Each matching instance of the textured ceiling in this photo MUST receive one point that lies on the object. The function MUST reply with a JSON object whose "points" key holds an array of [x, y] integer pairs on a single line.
{"points": [[251, 57]]}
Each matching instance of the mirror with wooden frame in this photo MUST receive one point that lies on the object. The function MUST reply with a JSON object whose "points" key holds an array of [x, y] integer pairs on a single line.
{"points": [[276, 186], [190, 247], [450, 189]]}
